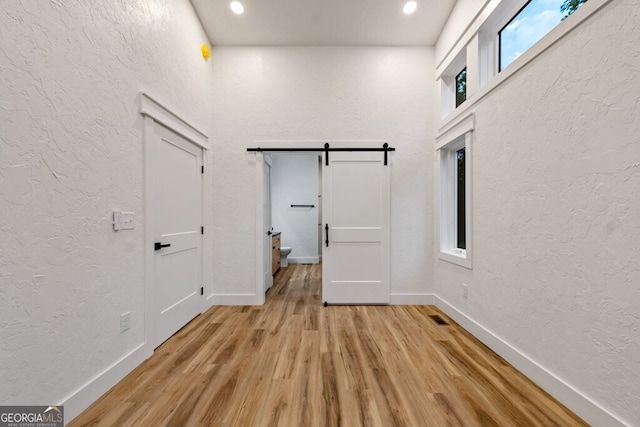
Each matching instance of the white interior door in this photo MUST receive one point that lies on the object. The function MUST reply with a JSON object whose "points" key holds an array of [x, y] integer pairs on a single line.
{"points": [[267, 241], [356, 215], [176, 203]]}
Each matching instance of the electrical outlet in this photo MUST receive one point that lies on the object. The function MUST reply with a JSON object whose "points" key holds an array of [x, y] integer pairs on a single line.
{"points": [[125, 319], [465, 291]]}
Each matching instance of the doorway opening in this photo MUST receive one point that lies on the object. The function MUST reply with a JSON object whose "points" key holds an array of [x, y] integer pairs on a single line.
{"points": [[294, 215]]}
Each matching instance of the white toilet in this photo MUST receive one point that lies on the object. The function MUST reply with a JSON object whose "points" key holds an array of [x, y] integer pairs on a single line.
{"points": [[284, 253]]}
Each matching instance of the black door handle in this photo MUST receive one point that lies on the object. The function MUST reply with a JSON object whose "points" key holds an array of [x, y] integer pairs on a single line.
{"points": [[158, 245], [269, 233], [326, 230]]}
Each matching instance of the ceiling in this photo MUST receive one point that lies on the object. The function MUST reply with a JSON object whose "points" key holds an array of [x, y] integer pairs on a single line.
{"points": [[323, 22]]}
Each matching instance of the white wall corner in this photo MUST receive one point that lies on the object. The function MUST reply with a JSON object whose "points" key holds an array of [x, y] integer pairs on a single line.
{"points": [[86, 395], [573, 399]]}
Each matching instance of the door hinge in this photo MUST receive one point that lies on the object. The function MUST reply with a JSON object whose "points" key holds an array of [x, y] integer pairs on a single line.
{"points": [[201, 230], [202, 290], [202, 169]]}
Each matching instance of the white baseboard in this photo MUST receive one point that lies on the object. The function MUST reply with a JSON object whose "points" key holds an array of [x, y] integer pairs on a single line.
{"points": [[82, 398], [573, 399], [412, 299], [303, 260], [86, 395], [235, 299]]}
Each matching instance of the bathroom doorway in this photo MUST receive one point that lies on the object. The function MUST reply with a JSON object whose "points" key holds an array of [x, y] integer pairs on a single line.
{"points": [[296, 207]]}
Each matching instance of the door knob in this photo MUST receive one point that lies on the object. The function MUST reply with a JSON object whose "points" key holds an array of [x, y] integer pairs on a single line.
{"points": [[269, 233], [158, 245]]}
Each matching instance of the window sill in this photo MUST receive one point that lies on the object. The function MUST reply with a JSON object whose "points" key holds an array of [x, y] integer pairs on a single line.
{"points": [[456, 256]]}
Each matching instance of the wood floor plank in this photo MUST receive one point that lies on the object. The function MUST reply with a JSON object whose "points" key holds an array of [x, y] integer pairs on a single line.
{"points": [[275, 410], [352, 361], [307, 382], [330, 407], [327, 328], [411, 390], [257, 379], [293, 362], [388, 400]]}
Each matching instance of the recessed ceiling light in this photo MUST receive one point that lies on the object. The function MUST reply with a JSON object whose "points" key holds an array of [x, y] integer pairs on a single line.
{"points": [[409, 7], [238, 8]]}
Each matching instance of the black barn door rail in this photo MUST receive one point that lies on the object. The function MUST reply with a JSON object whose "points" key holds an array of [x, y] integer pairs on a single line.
{"points": [[385, 148]]}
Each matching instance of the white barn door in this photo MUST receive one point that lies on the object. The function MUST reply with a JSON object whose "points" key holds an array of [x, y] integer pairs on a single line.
{"points": [[356, 240], [176, 203]]}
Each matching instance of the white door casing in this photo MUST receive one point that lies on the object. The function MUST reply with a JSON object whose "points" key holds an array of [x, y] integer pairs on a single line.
{"points": [[356, 216], [266, 227], [175, 201]]}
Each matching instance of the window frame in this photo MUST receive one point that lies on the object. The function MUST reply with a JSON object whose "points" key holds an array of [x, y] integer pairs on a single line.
{"points": [[503, 27], [489, 45], [448, 144], [448, 82]]}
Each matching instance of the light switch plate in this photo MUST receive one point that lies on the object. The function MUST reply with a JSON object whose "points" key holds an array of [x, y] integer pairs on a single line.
{"points": [[127, 221], [122, 221], [125, 321], [117, 220]]}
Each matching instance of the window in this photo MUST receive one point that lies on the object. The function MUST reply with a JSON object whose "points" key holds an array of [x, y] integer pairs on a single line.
{"points": [[460, 201], [530, 24], [461, 87], [453, 197], [454, 84], [455, 193]]}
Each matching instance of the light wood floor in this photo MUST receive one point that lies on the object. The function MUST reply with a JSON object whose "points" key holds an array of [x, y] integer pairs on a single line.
{"points": [[293, 363]]}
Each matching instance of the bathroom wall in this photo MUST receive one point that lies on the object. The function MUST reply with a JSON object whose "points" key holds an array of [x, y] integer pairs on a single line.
{"points": [[312, 94], [70, 153], [294, 181], [556, 179]]}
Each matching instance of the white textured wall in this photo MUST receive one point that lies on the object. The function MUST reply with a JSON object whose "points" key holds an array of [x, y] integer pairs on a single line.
{"points": [[71, 153], [294, 181], [462, 13], [556, 216], [324, 93]]}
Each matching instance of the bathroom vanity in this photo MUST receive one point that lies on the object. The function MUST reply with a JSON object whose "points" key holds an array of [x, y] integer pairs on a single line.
{"points": [[275, 252]]}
